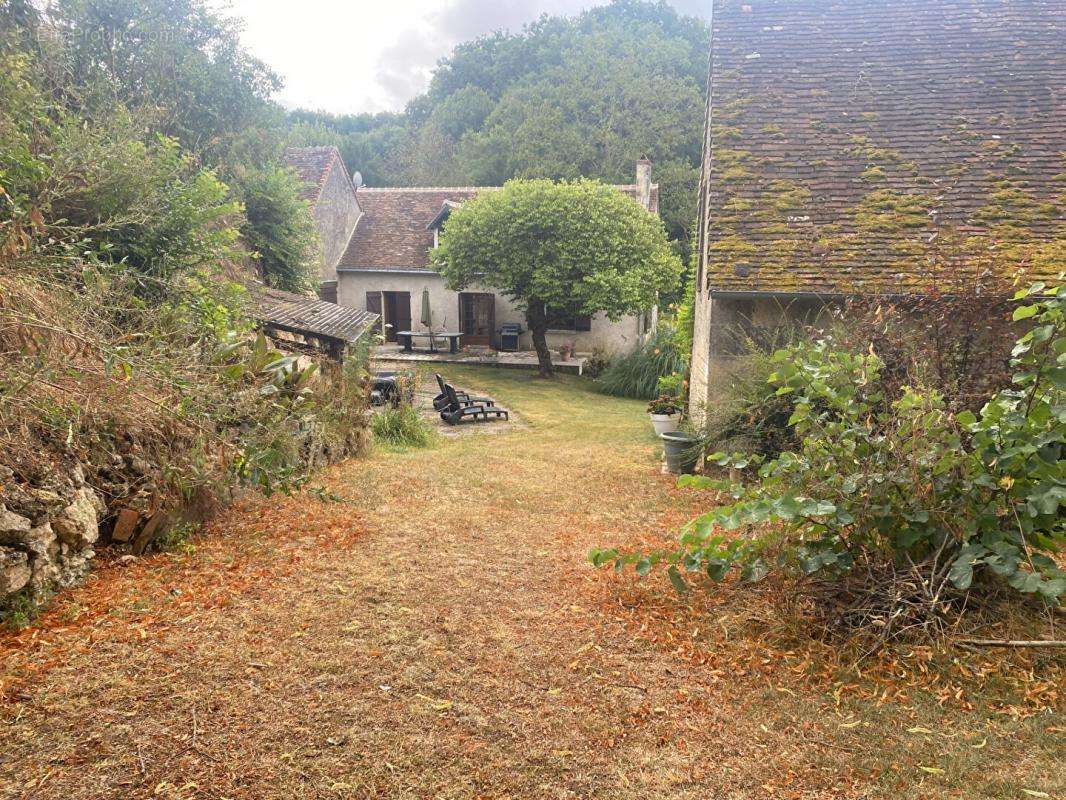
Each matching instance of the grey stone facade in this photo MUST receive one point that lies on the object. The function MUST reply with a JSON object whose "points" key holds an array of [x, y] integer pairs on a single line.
{"points": [[336, 213], [47, 532], [329, 189]]}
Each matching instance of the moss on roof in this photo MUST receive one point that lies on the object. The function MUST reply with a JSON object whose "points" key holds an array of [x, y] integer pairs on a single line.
{"points": [[846, 139]]}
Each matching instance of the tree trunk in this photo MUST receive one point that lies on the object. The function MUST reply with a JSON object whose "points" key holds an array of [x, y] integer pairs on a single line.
{"points": [[537, 319]]}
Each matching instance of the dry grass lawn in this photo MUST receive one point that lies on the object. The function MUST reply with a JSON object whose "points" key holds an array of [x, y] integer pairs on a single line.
{"points": [[439, 634]]}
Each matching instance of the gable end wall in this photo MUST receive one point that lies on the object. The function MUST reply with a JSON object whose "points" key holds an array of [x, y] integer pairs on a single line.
{"points": [[336, 214]]}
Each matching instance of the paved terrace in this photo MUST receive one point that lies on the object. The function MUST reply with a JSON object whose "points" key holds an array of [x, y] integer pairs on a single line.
{"points": [[477, 355]]}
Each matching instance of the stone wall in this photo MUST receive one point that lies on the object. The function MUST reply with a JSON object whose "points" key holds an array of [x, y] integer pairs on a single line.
{"points": [[336, 214], [47, 532], [699, 380], [722, 322]]}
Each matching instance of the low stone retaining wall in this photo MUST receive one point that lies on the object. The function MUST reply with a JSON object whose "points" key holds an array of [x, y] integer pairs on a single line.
{"points": [[47, 533]]}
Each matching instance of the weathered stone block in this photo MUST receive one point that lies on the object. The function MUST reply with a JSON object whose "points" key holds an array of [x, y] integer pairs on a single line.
{"points": [[125, 525], [15, 571], [78, 524], [13, 527]]}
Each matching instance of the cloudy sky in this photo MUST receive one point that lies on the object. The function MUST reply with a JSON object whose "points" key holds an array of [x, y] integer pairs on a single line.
{"points": [[348, 56]]}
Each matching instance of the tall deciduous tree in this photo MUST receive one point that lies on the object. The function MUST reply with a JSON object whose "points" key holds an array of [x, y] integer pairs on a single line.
{"points": [[177, 68], [559, 249], [179, 63]]}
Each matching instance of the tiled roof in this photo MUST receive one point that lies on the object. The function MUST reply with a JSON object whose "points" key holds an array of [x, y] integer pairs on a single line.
{"points": [[842, 135], [394, 234], [305, 315], [312, 165]]}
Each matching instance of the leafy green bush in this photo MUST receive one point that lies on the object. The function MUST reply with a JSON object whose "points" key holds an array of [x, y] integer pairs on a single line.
{"points": [[402, 426], [746, 412], [685, 318], [597, 362], [19, 610], [127, 348], [279, 228], [637, 374], [908, 504]]}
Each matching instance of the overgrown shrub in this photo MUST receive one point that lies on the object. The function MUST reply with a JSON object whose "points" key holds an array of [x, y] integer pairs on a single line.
{"points": [[897, 511], [402, 426], [127, 350], [637, 374], [955, 336], [597, 362], [746, 413], [182, 386], [279, 228], [685, 317], [125, 338]]}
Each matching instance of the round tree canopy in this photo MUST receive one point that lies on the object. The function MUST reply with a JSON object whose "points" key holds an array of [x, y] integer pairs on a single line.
{"points": [[576, 248]]}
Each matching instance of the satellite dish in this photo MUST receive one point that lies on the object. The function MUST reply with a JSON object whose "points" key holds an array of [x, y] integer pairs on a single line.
{"points": [[357, 179]]}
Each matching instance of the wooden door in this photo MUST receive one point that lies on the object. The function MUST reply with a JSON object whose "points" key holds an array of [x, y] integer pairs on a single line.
{"points": [[400, 316], [395, 311], [477, 317]]}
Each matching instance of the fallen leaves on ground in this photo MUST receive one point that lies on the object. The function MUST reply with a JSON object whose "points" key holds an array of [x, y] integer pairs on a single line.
{"points": [[440, 634]]}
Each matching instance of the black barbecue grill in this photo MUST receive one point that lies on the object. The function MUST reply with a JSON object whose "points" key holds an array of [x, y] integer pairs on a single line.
{"points": [[509, 333]]}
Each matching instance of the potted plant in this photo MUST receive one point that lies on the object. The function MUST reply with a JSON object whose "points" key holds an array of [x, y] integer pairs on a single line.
{"points": [[665, 412], [566, 350]]}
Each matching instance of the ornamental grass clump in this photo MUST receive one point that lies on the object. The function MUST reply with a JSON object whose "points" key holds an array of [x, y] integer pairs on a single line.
{"points": [[747, 413], [403, 427], [896, 513], [637, 374]]}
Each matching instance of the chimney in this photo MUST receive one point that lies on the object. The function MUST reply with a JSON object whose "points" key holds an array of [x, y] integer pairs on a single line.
{"points": [[644, 182]]}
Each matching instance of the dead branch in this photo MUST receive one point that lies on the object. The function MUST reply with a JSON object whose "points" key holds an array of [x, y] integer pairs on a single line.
{"points": [[1012, 642]]}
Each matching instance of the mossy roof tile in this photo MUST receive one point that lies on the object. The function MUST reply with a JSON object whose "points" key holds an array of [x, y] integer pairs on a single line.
{"points": [[844, 135]]}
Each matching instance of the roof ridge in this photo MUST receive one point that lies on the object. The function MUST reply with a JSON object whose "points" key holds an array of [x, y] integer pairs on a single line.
{"points": [[312, 169], [467, 188], [425, 188]]}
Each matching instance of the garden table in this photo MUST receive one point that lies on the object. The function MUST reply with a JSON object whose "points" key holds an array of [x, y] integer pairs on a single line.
{"points": [[405, 338]]}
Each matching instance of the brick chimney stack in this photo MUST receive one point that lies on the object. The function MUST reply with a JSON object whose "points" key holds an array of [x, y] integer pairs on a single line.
{"points": [[644, 182]]}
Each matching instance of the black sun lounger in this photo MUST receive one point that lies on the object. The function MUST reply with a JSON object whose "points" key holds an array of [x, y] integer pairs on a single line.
{"points": [[455, 412], [440, 402]]}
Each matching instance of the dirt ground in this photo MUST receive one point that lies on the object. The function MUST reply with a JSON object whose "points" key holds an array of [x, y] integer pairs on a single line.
{"points": [[436, 632]]}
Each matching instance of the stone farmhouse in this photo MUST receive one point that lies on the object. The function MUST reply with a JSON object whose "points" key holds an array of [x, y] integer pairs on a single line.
{"points": [[332, 196], [850, 147], [377, 244]]}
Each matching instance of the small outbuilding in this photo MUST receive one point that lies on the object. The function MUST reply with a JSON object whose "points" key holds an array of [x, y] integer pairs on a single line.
{"points": [[311, 323]]}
